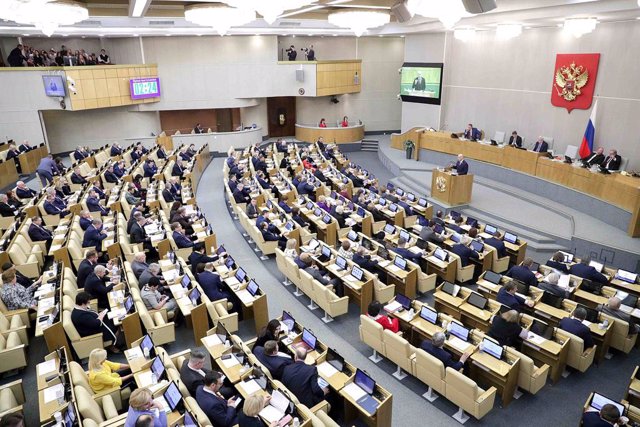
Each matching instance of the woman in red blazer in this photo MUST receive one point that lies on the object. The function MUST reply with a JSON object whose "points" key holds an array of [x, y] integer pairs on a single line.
{"points": [[374, 313], [322, 124], [345, 122]]}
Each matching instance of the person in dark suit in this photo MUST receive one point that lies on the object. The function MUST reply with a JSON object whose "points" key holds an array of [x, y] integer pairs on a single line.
{"points": [[612, 162], [13, 153], [435, 348], [116, 150], [24, 192], [302, 380], [507, 296], [37, 233], [184, 154], [267, 235], [515, 140], [608, 416], [429, 235], [167, 195], [94, 235], [584, 270], [463, 250], [180, 216], [87, 322], [80, 154], [25, 146], [52, 209], [575, 326], [272, 360], [419, 83], [304, 188], [175, 188], [93, 204], [137, 234], [198, 129], [211, 284], [182, 241], [161, 153], [252, 209], [550, 284], [119, 169], [612, 308], [110, 176], [86, 267], [496, 242], [193, 371], [461, 166], [220, 411], [77, 178], [240, 195], [541, 145], [522, 273], [177, 169], [505, 328], [557, 263], [199, 256], [471, 133], [136, 154], [6, 209], [594, 158], [406, 253], [97, 287], [85, 220], [149, 168], [297, 217]]}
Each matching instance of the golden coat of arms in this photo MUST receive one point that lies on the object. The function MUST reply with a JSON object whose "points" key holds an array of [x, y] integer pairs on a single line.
{"points": [[441, 184], [569, 80]]}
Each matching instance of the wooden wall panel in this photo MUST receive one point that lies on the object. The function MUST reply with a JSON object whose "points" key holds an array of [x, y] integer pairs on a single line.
{"points": [[338, 77], [185, 120]]}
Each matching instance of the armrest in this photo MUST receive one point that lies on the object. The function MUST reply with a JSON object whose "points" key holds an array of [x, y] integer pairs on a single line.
{"points": [[490, 393], [541, 371], [322, 406]]}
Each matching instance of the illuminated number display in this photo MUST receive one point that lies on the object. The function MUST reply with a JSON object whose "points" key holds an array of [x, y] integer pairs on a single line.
{"points": [[145, 88]]}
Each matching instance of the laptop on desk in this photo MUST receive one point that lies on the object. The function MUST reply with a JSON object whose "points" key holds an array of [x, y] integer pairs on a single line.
{"points": [[325, 254], [308, 341], [364, 396]]}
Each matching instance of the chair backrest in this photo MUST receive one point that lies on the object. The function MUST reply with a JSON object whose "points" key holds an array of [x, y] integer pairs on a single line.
{"points": [[4, 323], [202, 418], [461, 389], [78, 376], [87, 406], [499, 136], [69, 327], [428, 368], [7, 400], [372, 331]]}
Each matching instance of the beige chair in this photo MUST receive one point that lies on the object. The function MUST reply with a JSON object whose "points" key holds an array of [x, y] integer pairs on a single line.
{"points": [[465, 393], [620, 338], [26, 263], [81, 345], [98, 410], [371, 333], [499, 265], [282, 266], [12, 398], [463, 274], [195, 409], [14, 325], [430, 371], [383, 292], [400, 352], [22, 314], [308, 285], [156, 324], [219, 312], [80, 378], [531, 378], [332, 304], [13, 352], [577, 357]]}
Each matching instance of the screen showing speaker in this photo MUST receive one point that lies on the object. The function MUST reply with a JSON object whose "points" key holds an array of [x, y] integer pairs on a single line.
{"points": [[421, 82]]}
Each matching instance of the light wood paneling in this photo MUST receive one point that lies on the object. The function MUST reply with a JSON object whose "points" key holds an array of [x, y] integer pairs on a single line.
{"points": [[338, 77], [331, 134]]}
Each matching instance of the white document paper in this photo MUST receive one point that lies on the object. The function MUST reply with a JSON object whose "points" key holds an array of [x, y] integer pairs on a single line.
{"points": [[326, 370], [53, 393], [458, 343], [536, 339], [145, 378], [564, 281], [230, 362], [354, 391], [211, 340], [46, 367], [271, 414], [249, 387], [393, 306], [245, 296], [134, 353]]}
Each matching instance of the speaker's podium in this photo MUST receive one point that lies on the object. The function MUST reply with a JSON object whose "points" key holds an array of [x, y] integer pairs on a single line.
{"points": [[450, 188]]}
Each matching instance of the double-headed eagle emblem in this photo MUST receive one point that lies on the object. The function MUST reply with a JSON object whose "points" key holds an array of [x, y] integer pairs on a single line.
{"points": [[569, 81], [441, 184]]}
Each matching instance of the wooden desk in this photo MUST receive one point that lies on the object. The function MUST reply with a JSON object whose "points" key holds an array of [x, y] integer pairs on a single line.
{"points": [[521, 160], [47, 409], [453, 190], [30, 160], [8, 173], [338, 135], [382, 416]]}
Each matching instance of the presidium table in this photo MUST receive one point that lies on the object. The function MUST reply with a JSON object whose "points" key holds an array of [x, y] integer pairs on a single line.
{"points": [[616, 189], [450, 188]]}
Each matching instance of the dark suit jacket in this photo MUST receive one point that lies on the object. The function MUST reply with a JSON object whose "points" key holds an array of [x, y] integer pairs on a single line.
{"points": [[560, 266], [39, 233], [177, 170], [252, 211], [25, 194], [474, 133], [96, 287], [613, 165], [593, 159], [512, 301], [110, 177], [191, 379], [407, 254], [517, 142], [522, 274], [275, 364], [541, 147], [498, 244], [246, 421], [84, 270], [302, 380], [149, 171], [137, 233], [364, 262], [115, 151], [12, 154], [196, 258], [464, 253], [592, 419], [441, 354], [576, 327], [181, 240], [216, 408], [211, 284], [85, 223], [93, 237], [94, 205], [462, 167], [87, 323], [77, 179], [587, 272], [6, 210]]}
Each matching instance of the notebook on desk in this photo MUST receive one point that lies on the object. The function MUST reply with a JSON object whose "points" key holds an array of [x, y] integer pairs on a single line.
{"points": [[361, 390]]}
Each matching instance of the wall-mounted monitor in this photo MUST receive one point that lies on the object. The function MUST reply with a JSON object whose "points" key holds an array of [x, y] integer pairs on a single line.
{"points": [[54, 86], [147, 87], [421, 82]]}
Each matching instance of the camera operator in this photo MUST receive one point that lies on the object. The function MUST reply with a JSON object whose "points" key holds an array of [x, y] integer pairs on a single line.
{"points": [[291, 53], [309, 53]]}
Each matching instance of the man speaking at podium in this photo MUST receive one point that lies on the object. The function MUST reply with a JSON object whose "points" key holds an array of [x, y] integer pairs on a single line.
{"points": [[461, 166]]}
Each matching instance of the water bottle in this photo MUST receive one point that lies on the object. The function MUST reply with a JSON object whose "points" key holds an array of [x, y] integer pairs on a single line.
{"points": [[145, 352], [227, 343], [154, 378], [58, 418], [296, 422]]}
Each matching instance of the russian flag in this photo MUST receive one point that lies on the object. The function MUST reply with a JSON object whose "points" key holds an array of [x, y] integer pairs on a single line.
{"points": [[586, 148]]}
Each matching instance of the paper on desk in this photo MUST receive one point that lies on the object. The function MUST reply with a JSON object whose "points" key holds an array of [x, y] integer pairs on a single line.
{"points": [[134, 353], [113, 314], [145, 378], [586, 323], [325, 369], [53, 393], [230, 362], [46, 303], [393, 306], [46, 367], [353, 391], [536, 339], [564, 281], [250, 386], [271, 414], [211, 340]]}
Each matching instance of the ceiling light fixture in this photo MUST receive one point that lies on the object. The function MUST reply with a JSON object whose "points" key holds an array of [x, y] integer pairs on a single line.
{"points": [[508, 31], [220, 18], [359, 21], [580, 26], [45, 15], [464, 34], [270, 10], [446, 11]]}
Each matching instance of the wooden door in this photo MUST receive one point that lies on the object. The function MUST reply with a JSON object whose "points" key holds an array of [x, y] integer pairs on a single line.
{"points": [[282, 116]]}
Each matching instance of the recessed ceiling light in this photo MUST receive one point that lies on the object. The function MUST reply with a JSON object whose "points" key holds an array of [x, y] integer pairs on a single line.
{"points": [[26, 35], [380, 35], [83, 37], [294, 36], [136, 35], [335, 35], [168, 35], [560, 25], [100, 35], [402, 36], [310, 35]]}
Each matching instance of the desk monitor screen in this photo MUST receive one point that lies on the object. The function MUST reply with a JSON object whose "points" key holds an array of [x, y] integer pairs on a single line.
{"points": [[326, 251], [399, 191], [567, 256], [389, 186], [288, 320], [288, 226], [626, 276], [335, 360], [455, 237], [240, 275], [70, 417], [598, 266], [454, 214], [592, 314], [389, 229], [411, 197], [345, 180], [352, 235], [429, 314], [367, 244], [422, 244], [400, 262], [393, 207], [421, 82], [229, 263], [598, 401], [128, 304], [194, 296], [190, 420], [441, 254], [534, 267], [511, 238], [147, 343], [269, 204], [317, 212], [490, 229], [492, 276], [173, 396], [438, 229], [253, 288], [220, 250], [361, 212], [157, 367], [186, 280], [341, 262], [477, 300], [542, 329], [382, 202], [471, 221], [477, 246], [422, 202], [309, 338], [364, 381], [404, 301], [551, 299], [405, 235], [327, 219], [309, 205], [357, 272], [459, 331], [493, 348]]}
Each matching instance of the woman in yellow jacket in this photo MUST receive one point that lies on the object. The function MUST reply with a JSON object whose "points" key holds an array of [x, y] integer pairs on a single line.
{"points": [[103, 374]]}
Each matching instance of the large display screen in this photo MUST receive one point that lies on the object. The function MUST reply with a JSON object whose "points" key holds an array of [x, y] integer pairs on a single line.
{"points": [[54, 85], [148, 87], [421, 82]]}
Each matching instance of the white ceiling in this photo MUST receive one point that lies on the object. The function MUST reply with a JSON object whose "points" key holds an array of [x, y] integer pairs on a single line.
{"points": [[108, 18]]}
